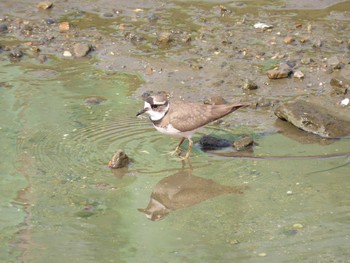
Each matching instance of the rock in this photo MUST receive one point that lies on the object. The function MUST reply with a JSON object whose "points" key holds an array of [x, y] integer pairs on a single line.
{"points": [[340, 86], [345, 102], [243, 143], [16, 53], [149, 71], [152, 17], [334, 63], [119, 160], [108, 15], [42, 58], [313, 118], [264, 102], [3, 28], [280, 73], [81, 49], [317, 43], [44, 5], [67, 53], [298, 74], [94, 100], [165, 38], [63, 27], [249, 85], [288, 40], [260, 25], [215, 100], [209, 142]]}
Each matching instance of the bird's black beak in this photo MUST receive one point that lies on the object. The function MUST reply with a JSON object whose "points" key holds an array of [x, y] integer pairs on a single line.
{"points": [[141, 112]]}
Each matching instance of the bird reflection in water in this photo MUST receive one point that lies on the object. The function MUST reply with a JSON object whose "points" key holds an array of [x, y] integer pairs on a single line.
{"points": [[182, 190]]}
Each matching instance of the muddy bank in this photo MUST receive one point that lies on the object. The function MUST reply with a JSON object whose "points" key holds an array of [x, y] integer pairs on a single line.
{"points": [[195, 50]]}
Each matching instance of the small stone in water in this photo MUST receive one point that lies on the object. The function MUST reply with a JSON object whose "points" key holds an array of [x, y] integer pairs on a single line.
{"points": [[289, 192], [262, 254], [94, 100], [297, 225]]}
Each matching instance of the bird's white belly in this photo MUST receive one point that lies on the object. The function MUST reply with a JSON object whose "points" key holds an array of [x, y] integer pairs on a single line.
{"points": [[170, 130]]}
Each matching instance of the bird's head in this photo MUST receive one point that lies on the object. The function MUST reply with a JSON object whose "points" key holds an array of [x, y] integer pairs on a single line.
{"points": [[156, 106]]}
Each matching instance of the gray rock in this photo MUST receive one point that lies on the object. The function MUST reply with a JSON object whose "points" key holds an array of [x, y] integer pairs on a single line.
{"points": [[249, 85], [119, 160], [215, 100], [3, 28], [340, 86], [313, 118], [283, 72], [81, 49], [209, 142], [334, 63]]}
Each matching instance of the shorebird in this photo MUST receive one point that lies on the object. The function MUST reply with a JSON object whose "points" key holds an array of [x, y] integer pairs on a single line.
{"points": [[183, 119]]}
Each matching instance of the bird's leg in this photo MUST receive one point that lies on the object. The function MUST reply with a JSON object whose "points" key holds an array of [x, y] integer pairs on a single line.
{"points": [[177, 149], [190, 143]]}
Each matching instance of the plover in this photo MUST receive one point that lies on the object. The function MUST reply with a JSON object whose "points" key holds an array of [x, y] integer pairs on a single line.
{"points": [[183, 119]]}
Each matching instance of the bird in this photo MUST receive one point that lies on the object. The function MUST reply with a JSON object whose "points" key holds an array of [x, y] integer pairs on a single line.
{"points": [[181, 118]]}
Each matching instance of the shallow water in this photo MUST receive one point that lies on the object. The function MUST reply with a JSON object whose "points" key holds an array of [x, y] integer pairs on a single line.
{"points": [[60, 202]]}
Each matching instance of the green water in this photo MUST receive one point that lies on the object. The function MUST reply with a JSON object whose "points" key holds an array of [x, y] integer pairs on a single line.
{"points": [[60, 203]]}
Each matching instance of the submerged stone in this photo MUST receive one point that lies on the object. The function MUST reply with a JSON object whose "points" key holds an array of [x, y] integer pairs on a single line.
{"points": [[94, 100], [209, 142]]}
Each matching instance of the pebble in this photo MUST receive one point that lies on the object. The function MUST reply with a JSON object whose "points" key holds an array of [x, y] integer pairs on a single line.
{"points": [[44, 5], [63, 27], [94, 100], [277, 74], [81, 49], [209, 142], [164, 37], [249, 85], [243, 143], [262, 26], [67, 53], [298, 74], [334, 63], [297, 225], [16, 53], [289, 192], [340, 86], [288, 40], [119, 160], [345, 102], [3, 28], [262, 254], [317, 43], [215, 100]]}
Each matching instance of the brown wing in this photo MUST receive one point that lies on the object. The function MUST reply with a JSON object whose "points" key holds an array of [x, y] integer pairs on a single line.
{"points": [[190, 116]]}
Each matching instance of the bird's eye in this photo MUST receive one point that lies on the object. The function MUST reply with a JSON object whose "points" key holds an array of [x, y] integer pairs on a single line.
{"points": [[154, 106]]}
